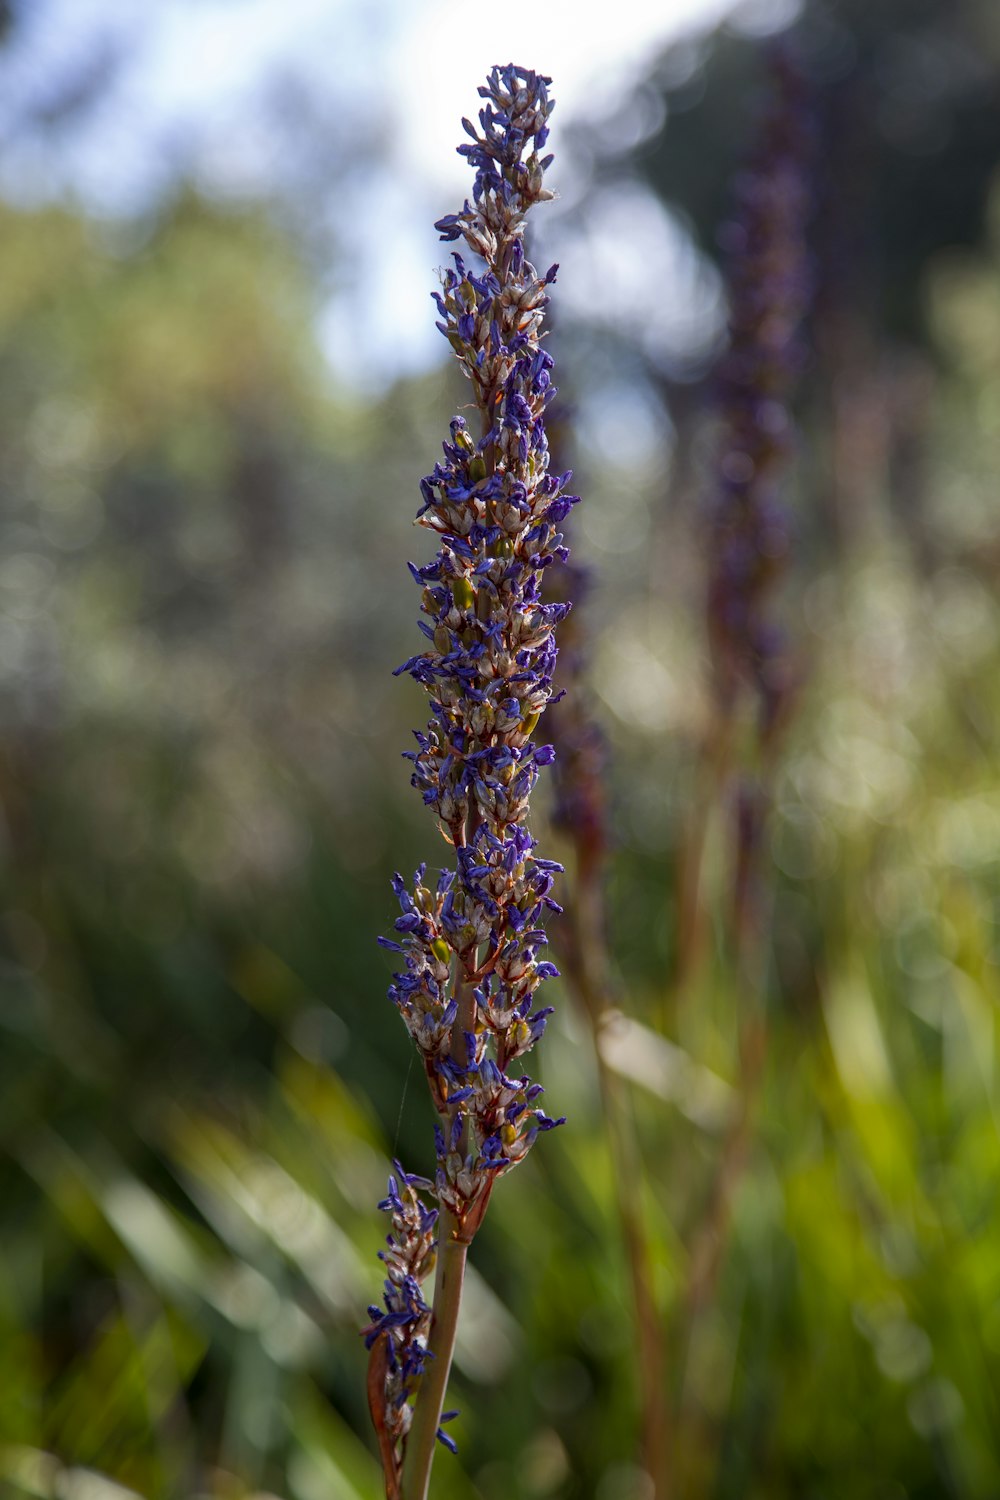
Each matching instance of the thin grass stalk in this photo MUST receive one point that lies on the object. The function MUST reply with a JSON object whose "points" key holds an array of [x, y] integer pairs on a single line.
{"points": [[590, 981], [582, 936], [754, 673]]}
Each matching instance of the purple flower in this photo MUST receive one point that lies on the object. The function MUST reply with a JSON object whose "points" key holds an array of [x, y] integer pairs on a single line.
{"points": [[471, 938], [769, 284], [405, 1317]]}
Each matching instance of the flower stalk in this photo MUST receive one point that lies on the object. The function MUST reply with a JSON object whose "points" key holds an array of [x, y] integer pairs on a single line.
{"points": [[470, 941], [749, 523], [580, 815], [755, 677]]}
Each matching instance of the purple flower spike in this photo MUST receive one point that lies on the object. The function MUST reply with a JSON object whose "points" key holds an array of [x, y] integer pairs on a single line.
{"points": [[470, 937], [769, 285]]}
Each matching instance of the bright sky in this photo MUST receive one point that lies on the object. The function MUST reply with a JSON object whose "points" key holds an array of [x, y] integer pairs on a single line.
{"points": [[402, 71], [433, 62]]}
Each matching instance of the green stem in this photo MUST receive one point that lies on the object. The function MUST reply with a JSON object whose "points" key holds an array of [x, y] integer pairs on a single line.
{"points": [[586, 969], [421, 1440], [750, 925], [453, 1247], [692, 915]]}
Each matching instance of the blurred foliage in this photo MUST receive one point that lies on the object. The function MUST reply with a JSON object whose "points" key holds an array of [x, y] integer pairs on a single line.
{"points": [[202, 593], [905, 113]]}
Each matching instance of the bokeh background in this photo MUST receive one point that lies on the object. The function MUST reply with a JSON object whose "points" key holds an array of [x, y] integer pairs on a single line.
{"points": [[219, 387]]}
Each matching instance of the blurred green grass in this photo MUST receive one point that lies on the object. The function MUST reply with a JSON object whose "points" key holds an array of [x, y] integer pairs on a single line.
{"points": [[202, 593]]}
